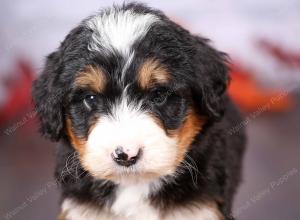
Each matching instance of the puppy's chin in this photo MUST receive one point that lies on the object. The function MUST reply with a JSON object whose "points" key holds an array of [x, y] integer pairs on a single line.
{"points": [[128, 175]]}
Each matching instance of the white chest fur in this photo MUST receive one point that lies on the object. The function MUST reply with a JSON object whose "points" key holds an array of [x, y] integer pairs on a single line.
{"points": [[131, 203]]}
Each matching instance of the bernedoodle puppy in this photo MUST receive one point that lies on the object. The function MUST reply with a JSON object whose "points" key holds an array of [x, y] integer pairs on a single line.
{"points": [[139, 108]]}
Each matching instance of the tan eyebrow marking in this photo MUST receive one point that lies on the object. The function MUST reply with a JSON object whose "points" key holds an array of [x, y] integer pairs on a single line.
{"points": [[93, 78], [152, 72]]}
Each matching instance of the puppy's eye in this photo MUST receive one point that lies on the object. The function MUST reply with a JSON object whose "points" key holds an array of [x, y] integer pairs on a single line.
{"points": [[90, 98], [159, 96], [89, 101]]}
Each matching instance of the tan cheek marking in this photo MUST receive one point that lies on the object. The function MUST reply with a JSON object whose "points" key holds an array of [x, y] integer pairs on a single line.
{"points": [[152, 72], [93, 78], [78, 143], [186, 133]]}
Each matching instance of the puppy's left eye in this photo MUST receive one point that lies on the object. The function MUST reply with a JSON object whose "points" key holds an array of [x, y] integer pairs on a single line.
{"points": [[89, 101], [159, 96]]}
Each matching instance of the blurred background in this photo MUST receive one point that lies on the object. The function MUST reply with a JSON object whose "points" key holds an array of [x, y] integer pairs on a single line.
{"points": [[262, 39]]}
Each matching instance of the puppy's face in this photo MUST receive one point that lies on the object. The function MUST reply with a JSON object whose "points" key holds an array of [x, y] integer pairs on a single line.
{"points": [[139, 128], [125, 90]]}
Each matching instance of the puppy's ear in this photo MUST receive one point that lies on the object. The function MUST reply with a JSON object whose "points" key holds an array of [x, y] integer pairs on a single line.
{"points": [[48, 96], [211, 78]]}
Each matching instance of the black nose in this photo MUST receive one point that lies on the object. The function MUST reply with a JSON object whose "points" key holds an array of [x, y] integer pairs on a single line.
{"points": [[121, 158]]}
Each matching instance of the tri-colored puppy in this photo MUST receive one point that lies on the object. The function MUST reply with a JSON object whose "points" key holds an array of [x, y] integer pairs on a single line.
{"points": [[138, 105]]}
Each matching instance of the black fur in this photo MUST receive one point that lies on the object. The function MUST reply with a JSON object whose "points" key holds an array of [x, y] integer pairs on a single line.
{"points": [[199, 77]]}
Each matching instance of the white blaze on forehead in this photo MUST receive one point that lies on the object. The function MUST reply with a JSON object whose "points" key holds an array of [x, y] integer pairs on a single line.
{"points": [[118, 30]]}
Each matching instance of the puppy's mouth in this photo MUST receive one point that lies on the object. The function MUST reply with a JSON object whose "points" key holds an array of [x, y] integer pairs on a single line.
{"points": [[134, 169], [132, 174]]}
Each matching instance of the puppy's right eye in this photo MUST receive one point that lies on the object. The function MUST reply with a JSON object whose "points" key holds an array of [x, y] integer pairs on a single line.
{"points": [[89, 101]]}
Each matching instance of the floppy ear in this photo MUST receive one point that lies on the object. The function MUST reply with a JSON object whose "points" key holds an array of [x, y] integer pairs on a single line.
{"points": [[48, 97], [211, 73]]}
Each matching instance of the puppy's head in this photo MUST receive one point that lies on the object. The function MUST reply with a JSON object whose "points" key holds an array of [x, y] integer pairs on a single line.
{"points": [[130, 90]]}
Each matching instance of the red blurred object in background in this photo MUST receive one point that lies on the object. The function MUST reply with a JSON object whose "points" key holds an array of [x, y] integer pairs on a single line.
{"points": [[283, 56], [249, 96], [19, 93], [246, 92]]}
